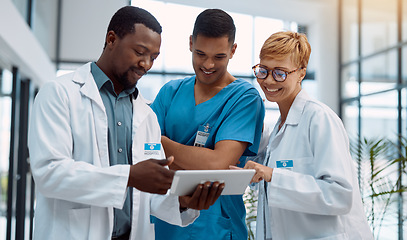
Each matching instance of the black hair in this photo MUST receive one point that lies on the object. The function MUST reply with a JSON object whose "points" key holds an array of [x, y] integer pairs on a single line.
{"points": [[122, 22], [214, 23]]}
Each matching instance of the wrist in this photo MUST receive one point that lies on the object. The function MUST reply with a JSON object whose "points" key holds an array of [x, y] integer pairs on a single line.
{"points": [[183, 209]]}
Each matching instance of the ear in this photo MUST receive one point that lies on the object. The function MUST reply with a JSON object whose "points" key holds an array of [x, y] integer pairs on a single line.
{"points": [[190, 43], [110, 38], [302, 73], [234, 46]]}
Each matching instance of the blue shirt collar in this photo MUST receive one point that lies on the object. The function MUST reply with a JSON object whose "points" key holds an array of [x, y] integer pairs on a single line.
{"points": [[101, 78]]}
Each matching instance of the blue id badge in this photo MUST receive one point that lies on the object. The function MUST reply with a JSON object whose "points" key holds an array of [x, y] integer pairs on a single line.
{"points": [[152, 148], [286, 164], [202, 135]]}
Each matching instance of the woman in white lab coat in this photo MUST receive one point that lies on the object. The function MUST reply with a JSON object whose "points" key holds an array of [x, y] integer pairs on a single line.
{"points": [[310, 190]]}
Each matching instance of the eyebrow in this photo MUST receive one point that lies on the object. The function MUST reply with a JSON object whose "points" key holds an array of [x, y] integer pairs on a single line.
{"points": [[217, 55], [147, 49], [144, 47], [281, 68]]}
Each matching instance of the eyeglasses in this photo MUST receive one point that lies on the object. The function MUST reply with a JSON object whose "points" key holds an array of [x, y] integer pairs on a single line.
{"points": [[279, 75]]}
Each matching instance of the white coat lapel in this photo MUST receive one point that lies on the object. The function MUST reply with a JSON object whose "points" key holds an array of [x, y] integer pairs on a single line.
{"points": [[89, 89], [297, 108], [140, 110], [84, 77]]}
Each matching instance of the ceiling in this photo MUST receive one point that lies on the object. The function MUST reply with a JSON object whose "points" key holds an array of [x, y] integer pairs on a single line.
{"points": [[301, 11]]}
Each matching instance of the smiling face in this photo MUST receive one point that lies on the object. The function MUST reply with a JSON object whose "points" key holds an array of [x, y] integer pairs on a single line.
{"points": [[127, 59], [210, 58], [283, 93]]}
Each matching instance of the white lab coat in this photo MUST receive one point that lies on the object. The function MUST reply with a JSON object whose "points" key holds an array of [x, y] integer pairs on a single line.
{"points": [[318, 197], [77, 189]]}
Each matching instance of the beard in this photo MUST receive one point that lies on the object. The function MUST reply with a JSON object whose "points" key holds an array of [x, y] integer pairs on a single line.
{"points": [[124, 79]]}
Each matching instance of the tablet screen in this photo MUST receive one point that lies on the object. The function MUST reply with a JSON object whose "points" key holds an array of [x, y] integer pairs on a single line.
{"points": [[236, 181]]}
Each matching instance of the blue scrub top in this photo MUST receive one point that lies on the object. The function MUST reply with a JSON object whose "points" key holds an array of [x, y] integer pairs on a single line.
{"points": [[235, 113]]}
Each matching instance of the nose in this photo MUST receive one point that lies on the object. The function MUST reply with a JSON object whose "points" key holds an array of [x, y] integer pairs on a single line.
{"points": [[208, 63], [146, 63], [268, 79]]}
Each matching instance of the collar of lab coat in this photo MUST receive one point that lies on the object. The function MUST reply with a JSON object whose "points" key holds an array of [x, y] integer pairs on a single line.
{"points": [[84, 77], [140, 109], [297, 108]]}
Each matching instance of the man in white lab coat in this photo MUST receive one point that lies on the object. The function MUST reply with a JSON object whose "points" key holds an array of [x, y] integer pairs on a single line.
{"points": [[94, 145]]}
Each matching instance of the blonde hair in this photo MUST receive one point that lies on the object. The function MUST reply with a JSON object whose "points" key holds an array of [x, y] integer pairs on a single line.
{"points": [[285, 44]]}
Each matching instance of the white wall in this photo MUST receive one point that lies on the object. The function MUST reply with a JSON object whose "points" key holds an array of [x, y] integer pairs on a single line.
{"points": [[44, 25], [19, 47], [84, 25], [327, 52]]}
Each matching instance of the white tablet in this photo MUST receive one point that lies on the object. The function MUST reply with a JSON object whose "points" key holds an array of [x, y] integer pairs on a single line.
{"points": [[236, 181]]}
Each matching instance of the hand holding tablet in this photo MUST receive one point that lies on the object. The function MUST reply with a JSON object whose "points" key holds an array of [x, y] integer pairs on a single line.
{"points": [[236, 181], [204, 196]]}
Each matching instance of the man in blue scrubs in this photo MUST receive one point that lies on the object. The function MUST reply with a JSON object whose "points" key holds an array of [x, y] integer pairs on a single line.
{"points": [[210, 121]]}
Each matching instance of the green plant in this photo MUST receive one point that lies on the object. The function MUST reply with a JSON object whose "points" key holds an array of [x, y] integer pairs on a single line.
{"points": [[3, 187], [381, 165], [250, 200]]}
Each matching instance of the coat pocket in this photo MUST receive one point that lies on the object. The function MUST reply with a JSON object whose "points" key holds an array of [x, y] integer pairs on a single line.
{"points": [[303, 165], [79, 223], [342, 236]]}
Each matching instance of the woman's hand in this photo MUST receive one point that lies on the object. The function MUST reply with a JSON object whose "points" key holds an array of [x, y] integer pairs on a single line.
{"points": [[262, 172]]}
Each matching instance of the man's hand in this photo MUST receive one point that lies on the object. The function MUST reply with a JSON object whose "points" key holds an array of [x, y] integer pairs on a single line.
{"points": [[151, 175], [205, 195]]}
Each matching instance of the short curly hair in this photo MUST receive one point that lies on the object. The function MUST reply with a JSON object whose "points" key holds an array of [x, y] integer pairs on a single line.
{"points": [[123, 21], [280, 45], [214, 23]]}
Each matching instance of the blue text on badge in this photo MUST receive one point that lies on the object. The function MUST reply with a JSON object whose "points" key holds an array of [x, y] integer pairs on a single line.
{"points": [[152, 146], [285, 164]]}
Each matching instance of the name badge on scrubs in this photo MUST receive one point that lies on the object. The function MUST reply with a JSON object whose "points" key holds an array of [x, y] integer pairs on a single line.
{"points": [[152, 148], [202, 135], [286, 164]]}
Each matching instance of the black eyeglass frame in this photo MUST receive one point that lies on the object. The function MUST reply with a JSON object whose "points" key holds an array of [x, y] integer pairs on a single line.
{"points": [[273, 72]]}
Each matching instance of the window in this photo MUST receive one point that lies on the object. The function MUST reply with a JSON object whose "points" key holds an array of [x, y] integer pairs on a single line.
{"points": [[379, 25], [404, 19], [379, 115], [350, 83], [379, 72], [379, 92], [349, 30], [5, 123], [175, 58]]}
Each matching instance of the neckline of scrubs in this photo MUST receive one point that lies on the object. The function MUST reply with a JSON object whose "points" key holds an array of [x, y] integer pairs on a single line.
{"points": [[214, 98]]}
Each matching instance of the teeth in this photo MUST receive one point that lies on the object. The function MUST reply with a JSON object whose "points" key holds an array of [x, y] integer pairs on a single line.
{"points": [[207, 72], [272, 90]]}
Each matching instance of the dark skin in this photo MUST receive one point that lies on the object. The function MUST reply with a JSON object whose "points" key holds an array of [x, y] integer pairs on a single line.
{"points": [[152, 176], [125, 60]]}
